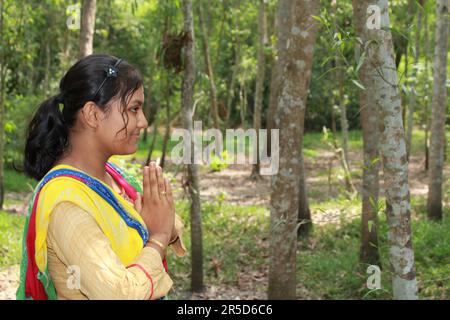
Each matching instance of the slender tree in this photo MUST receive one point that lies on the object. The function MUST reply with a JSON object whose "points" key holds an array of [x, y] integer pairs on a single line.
{"points": [[209, 69], [192, 168], [237, 60], [426, 145], [87, 28], [2, 102], [438, 106], [297, 24], [168, 93], [369, 252], [260, 74], [340, 81], [386, 95], [413, 99]]}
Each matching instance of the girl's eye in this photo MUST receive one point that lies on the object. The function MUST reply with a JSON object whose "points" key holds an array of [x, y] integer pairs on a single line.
{"points": [[135, 109]]}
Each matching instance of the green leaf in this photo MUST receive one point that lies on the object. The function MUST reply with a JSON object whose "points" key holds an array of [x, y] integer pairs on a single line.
{"points": [[361, 61], [318, 18], [359, 85], [326, 60]]}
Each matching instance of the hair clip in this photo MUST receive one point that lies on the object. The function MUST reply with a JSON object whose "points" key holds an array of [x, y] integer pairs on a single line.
{"points": [[111, 72]]}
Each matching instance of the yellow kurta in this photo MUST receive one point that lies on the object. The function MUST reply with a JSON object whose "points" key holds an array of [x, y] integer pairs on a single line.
{"points": [[83, 265], [89, 251]]}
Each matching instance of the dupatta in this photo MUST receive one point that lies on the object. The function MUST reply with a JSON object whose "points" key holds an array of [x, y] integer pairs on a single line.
{"points": [[117, 218]]}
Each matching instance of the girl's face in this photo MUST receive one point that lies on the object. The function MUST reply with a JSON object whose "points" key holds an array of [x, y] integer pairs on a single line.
{"points": [[111, 132]]}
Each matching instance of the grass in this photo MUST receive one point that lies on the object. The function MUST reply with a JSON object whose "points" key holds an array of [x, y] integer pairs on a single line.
{"points": [[18, 182], [233, 236], [11, 231]]}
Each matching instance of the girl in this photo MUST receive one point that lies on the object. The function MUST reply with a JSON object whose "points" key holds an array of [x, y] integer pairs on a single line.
{"points": [[89, 233]]}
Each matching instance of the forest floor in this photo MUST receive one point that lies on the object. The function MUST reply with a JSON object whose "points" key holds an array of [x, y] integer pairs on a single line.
{"points": [[232, 201]]}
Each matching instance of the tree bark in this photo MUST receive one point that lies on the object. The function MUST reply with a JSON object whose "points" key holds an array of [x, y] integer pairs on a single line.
{"points": [[427, 111], [209, 70], [438, 108], [237, 59], [87, 28], [297, 25], [412, 99], [192, 168], [47, 68], [243, 104], [369, 252], [393, 149], [168, 119], [274, 84], [304, 213], [2, 105], [259, 86], [152, 144]]}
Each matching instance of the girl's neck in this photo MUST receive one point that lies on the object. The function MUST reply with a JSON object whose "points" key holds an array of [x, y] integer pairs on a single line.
{"points": [[93, 166]]}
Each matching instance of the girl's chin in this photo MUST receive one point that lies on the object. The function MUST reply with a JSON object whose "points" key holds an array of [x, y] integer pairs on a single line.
{"points": [[129, 149]]}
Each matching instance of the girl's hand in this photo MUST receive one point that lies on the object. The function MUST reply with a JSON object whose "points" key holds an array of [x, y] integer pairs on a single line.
{"points": [[156, 206]]}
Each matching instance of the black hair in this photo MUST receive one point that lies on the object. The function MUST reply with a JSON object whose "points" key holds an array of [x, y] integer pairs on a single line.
{"points": [[48, 131]]}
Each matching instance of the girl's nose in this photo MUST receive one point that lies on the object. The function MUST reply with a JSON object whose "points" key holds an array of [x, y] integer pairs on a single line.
{"points": [[142, 122]]}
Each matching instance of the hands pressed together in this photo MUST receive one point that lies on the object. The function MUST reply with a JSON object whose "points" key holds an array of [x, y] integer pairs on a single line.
{"points": [[157, 208]]}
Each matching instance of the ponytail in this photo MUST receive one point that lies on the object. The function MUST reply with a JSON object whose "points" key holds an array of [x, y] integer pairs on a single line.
{"points": [[47, 137]]}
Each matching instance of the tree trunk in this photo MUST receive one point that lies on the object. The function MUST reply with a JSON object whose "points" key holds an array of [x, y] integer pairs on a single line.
{"points": [[2, 106], [168, 120], [304, 213], [152, 144], [209, 70], [274, 84], [87, 28], [259, 86], [343, 111], [295, 23], [392, 146], [192, 168], [438, 108], [243, 104], [426, 107], [225, 9], [412, 99], [47, 68], [369, 252]]}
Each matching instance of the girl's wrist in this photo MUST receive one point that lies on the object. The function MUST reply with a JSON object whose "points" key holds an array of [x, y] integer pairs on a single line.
{"points": [[161, 252]]}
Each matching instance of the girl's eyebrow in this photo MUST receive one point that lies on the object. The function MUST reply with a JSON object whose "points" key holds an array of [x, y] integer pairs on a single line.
{"points": [[138, 102]]}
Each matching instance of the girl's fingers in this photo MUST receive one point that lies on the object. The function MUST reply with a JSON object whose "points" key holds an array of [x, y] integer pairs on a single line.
{"points": [[153, 181], [161, 184]]}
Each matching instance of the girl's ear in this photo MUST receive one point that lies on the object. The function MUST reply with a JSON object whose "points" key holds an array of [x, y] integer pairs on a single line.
{"points": [[90, 114]]}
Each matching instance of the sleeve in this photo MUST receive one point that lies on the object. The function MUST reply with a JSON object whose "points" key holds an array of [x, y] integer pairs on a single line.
{"points": [[78, 241], [178, 245]]}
